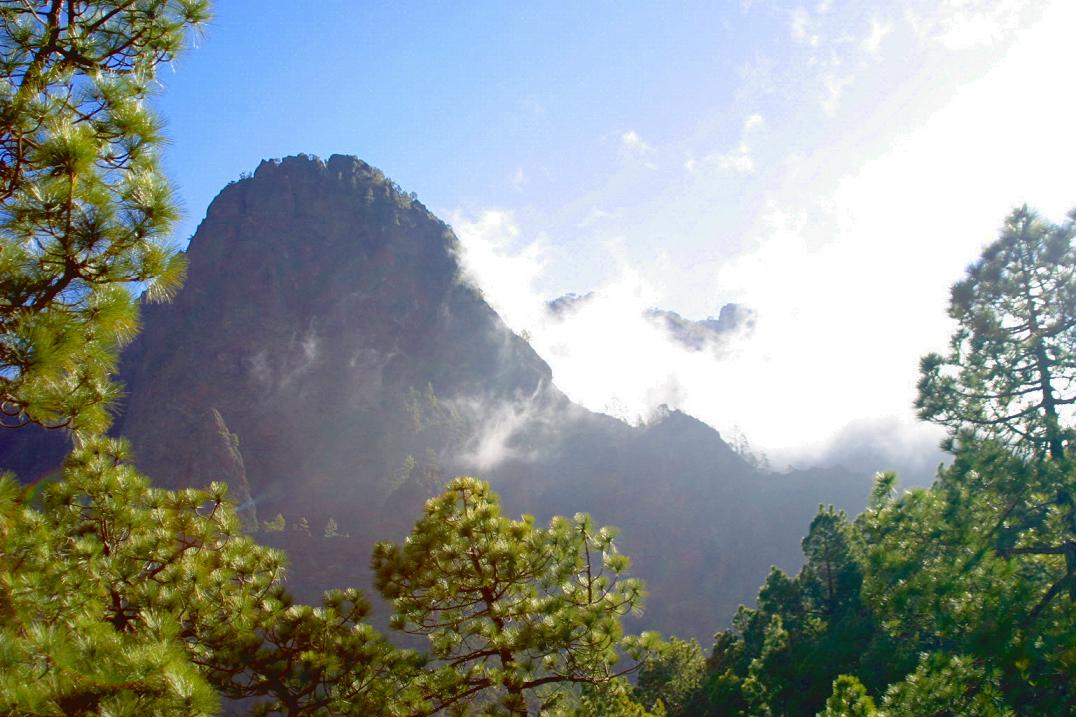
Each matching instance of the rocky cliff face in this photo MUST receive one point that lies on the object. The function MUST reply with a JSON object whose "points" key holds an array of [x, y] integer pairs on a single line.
{"points": [[327, 360], [318, 297]]}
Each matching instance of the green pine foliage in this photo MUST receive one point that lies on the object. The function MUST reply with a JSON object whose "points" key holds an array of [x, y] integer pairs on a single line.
{"points": [[513, 612], [781, 657], [85, 211], [615, 698], [313, 661], [954, 686], [849, 699], [117, 598], [965, 570], [109, 585], [1009, 373], [670, 675]]}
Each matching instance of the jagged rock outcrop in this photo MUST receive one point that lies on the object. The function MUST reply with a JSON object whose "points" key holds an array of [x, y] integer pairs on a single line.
{"points": [[697, 335], [325, 318], [713, 333]]}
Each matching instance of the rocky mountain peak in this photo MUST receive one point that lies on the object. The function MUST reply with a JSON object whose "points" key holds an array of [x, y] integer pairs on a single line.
{"points": [[318, 295], [326, 359]]}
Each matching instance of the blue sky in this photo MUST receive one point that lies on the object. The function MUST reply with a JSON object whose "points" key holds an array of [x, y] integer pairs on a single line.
{"points": [[450, 99], [833, 165]]}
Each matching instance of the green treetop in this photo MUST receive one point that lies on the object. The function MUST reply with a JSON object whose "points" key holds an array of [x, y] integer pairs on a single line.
{"points": [[84, 208], [513, 612], [1011, 368], [108, 591], [849, 699], [1010, 503], [671, 675]]}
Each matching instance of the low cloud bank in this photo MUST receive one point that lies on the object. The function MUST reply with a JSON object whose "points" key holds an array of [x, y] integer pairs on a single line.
{"points": [[613, 350], [846, 268]]}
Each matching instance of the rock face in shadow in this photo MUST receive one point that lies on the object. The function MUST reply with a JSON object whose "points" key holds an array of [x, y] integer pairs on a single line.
{"points": [[326, 359], [318, 295], [213, 450]]}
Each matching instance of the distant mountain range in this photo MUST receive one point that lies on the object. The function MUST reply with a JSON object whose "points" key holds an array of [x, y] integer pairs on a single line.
{"points": [[327, 358]]}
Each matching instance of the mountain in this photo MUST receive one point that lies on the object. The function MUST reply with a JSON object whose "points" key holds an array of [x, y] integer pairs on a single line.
{"points": [[733, 320], [327, 358]]}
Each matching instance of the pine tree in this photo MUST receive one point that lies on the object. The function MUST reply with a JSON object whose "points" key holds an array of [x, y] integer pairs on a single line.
{"points": [[84, 209], [782, 656], [1011, 369], [513, 612], [831, 576], [849, 699], [955, 687], [276, 525], [109, 589], [1011, 377], [975, 568], [671, 675], [303, 661]]}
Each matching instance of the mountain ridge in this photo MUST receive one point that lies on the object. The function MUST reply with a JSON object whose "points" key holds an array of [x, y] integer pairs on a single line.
{"points": [[327, 350]]}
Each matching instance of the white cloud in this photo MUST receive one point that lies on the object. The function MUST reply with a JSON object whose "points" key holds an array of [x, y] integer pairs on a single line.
{"points": [[801, 28], [738, 160], [824, 42], [961, 24], [834, 85], [791, 389], [851, 281], [605, 353], [497, 428], [506, 271], [595, 216], [878, 32], [632, 142], [848, 267]]}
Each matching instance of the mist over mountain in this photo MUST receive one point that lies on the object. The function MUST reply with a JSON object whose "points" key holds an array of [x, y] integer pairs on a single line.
{"points": [[328, 359]]}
